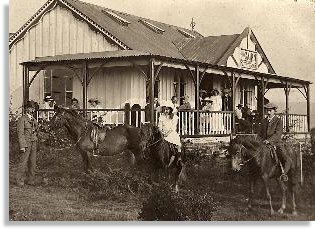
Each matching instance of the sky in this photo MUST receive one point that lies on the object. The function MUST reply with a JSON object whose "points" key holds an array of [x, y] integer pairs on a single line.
{"points": [[284, 28]]}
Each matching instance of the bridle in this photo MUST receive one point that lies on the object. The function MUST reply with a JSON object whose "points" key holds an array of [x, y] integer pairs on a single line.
{"points": [[68, 147], [155, 142], [242, 147]]}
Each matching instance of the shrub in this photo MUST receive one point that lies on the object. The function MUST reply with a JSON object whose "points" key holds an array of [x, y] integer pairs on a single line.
{"points": [[115, 185], [165, 205]]}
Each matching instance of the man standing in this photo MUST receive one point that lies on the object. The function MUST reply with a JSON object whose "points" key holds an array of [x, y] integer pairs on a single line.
{"points": [[271, 131], [27, 129]]}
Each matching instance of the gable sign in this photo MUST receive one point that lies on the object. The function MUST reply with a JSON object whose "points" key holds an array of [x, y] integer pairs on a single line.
{"points": [[248, 59]]}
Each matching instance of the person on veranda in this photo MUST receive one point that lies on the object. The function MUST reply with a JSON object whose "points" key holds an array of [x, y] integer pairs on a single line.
{"points": [[271, 131]]}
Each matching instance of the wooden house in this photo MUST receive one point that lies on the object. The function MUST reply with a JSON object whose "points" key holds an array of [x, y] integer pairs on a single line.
{"points": [[72, 49]]}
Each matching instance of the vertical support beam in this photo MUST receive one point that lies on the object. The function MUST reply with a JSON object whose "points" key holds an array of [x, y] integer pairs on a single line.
{"points": [[308, 108], [233, 103], [287, 92], [152, 81], [263, 88], [26, 92], [85, 84], [197, 131]]}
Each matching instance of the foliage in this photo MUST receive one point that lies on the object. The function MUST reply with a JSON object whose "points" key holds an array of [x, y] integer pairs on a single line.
{"points": [[13, 139], [115, 185], [165, 205]]}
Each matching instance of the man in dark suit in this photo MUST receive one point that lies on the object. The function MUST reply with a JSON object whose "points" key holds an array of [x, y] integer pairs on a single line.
{"points": [[27, 129], [271, 131]]}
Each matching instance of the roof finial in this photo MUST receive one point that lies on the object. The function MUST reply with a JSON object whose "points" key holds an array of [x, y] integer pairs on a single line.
{"points": [[192, 24]]}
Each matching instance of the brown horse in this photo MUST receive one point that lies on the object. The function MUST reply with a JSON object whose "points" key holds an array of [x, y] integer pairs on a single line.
{"points": [[158, 152], [90, 138], [250, 151]]}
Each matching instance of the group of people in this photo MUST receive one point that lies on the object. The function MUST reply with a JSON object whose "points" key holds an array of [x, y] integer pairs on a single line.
{"points": [[27, 130]]}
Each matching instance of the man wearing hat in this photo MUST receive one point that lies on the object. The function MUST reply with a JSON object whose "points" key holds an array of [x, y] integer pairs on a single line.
{"points": [[27, 129], [271, 131], [47, 105]]}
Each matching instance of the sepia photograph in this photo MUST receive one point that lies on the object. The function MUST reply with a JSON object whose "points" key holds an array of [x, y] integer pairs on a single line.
{"points": [[160, 110]]}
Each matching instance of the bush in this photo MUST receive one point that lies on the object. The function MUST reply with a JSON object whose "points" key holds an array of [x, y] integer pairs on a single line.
{"points": [[165, 205], [116, 185]]}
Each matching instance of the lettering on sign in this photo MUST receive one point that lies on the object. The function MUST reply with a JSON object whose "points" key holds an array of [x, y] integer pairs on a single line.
{"points": [[248, 59]]}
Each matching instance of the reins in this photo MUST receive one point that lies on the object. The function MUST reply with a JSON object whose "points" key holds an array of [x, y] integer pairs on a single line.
{"points": [[248, 160], [68, 147]]}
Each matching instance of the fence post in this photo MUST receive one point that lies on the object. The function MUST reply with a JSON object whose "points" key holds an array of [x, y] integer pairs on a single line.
{"points": [[127, 113]]}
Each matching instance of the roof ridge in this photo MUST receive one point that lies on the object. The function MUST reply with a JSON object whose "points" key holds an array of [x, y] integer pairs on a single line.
{"points": [[138, 17]]}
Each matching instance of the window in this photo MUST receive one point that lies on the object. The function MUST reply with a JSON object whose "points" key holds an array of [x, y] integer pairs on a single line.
{"points": [[186, 34], [59, 86], [115, 17], [152, 27]]}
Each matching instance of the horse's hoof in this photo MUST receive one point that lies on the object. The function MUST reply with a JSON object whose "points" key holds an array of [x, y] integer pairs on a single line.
{"points": [[280, 210], [294, 213]]}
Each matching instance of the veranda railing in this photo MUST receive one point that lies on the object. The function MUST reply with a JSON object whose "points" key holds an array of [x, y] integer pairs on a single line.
{"points": [[211, 123]]}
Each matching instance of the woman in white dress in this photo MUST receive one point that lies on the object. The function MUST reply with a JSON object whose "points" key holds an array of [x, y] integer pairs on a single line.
{"points": [[168, 122], [217, 118]]}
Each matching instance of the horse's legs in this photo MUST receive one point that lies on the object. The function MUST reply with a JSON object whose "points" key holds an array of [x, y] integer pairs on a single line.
{"points": [[265, 179], [283, 192], [292, 192], [294, 212], [179, 170], [86, 161], [251, 193]]}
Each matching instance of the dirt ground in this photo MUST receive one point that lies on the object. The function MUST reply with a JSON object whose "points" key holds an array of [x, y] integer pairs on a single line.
{"points": [[57, 195]]}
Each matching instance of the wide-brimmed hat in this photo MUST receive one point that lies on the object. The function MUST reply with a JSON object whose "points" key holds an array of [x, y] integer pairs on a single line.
{"points": [[30, 104], [167, 104], [208, 99], [270, 106], [226, 90], [94, 99], [239, 106], [48, 98]]}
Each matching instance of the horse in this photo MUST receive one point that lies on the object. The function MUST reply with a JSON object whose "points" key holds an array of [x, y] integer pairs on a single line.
{"points": [[250, 151], [158, 152], [90, 138]]}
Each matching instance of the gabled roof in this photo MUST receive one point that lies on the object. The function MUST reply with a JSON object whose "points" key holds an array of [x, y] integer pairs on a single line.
{"points": [[208, 50], [131, 32]]}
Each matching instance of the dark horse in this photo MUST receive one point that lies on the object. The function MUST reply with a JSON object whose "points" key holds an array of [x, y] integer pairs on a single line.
{"points": [[259, 158], [89, 138], [158, 152]]}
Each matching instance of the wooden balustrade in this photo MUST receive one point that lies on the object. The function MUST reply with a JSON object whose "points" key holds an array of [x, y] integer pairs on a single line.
{"points": [[214, 123]]}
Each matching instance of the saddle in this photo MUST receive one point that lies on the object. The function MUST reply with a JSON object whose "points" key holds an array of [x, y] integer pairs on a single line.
{"points": [[273, 152], [96, 136]]}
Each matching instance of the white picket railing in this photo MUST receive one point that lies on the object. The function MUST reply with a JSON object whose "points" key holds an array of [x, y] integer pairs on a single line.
{"points": [[210, 123], [297, 123]]}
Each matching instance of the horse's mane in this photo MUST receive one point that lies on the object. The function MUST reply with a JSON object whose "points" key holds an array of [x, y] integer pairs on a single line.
{"points": [[250, 142]]}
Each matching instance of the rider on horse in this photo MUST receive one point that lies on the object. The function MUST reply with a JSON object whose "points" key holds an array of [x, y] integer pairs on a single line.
{"points": [[168, 122], [271, 131]]}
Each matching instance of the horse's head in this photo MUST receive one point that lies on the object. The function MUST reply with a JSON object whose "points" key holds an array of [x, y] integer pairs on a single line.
{"points": [[58, 119], [236, 150], [149, 134], [241, 149]]}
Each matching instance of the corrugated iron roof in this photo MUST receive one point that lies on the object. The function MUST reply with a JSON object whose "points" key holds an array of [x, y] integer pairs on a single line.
{"points": [[90, 56], [168, 41], [136, 35], [207, 50]]}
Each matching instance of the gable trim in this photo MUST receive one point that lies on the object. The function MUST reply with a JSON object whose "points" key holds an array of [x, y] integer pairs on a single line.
{"points": [[49, 5]]}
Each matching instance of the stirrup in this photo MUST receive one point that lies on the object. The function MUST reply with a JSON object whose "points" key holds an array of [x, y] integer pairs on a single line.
{"points": [[284, 177]]}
